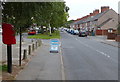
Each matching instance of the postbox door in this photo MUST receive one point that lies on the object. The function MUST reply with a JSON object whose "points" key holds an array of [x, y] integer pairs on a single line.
{"points": [[8, 34]]}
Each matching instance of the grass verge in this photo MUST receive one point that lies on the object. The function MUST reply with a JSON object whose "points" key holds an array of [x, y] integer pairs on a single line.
{"points": [[3, 67], [55, 35]]}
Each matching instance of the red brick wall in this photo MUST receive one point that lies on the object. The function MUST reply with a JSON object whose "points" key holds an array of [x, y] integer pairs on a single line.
{"points": [[117, 38], [101, 32], [105, 32], [98, 32], [111, 36]]}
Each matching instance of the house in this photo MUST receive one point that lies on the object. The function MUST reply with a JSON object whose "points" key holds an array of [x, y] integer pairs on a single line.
{"points": [[117, 38], [102, 22], [99, 22]]}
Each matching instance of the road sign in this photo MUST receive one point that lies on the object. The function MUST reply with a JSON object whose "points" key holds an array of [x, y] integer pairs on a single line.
{"points": [[54, 46]]}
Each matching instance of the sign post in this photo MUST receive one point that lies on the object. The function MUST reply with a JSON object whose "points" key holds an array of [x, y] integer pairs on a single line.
{"points": [[20, 49], [8, 37], [9, 58]]}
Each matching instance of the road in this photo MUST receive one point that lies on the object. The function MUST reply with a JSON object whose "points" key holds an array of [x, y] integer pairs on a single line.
{"points": [[87, 59]]}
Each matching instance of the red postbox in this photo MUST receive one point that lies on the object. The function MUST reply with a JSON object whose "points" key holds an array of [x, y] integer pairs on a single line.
{"points": [[8, 34]]}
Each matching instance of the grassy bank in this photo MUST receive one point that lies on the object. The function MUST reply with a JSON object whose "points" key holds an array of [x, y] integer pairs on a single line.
{"points": [[55, 35], [3, 68]]}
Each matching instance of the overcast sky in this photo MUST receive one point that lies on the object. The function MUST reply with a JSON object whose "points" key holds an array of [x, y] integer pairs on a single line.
{"points": [[79, 8]]}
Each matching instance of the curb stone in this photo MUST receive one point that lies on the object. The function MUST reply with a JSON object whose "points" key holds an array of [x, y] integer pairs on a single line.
{"points": [[110, 44]]}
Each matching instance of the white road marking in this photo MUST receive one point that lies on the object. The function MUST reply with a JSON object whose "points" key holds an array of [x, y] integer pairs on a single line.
{"points": [[62, 65], [103, 53], [63, 73], [106, 55], [76, 38]]}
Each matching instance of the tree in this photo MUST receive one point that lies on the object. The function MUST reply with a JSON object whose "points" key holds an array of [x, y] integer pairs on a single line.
{"points": [[67, 24], [43, 13]]}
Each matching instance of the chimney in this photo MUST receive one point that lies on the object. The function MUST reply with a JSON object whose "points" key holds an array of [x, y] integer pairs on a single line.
{"points": [[91, 14], [104, 8], [88, 15], [95, 12]]}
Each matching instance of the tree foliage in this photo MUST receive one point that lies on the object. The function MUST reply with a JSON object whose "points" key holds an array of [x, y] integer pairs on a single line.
{"points": [[67, 24], [21, 14]]}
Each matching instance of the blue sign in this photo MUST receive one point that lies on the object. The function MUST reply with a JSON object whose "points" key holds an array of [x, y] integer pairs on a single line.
{"points": [[54, 45], [54, 40]]}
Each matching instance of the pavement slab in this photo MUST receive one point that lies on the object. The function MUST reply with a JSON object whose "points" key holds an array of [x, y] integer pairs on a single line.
{"points": [[103, 39], [43, 66], [15, 51]]}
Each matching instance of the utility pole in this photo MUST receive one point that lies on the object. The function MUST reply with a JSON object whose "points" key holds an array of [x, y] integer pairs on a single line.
{"points": [[20, 45], [9, 58]]}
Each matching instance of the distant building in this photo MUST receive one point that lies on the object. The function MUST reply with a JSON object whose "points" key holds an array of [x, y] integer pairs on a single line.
{"points": [[98, 22]]}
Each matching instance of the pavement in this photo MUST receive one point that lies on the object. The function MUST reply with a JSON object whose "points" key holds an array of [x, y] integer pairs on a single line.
{"points": [[15, 50], [103, 39], [44, 65]]}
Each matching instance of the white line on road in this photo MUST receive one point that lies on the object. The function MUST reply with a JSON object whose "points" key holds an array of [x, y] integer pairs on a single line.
{"points": [[62, 65], [103, 53], [76, 38], [94, 49], [63, 73], [106, 55]]}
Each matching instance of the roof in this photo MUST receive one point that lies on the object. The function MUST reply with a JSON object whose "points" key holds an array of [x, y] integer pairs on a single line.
{"points": [[92, 18], [97, 16], [80, 21], [105, 22]]}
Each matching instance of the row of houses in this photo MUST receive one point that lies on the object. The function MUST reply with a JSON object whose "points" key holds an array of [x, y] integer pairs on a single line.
{"points": [[100, 22]]}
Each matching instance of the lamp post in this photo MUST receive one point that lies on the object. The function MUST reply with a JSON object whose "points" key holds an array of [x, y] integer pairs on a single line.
{"points": [[20, 45]]}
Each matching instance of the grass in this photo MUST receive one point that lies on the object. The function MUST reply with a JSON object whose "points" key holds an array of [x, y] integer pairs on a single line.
{"points": [[55, 35], [3, 67]]}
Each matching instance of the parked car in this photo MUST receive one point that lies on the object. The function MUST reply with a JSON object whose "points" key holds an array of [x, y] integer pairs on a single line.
{"points": [[32, 32], [82, 34], [68, 30], [76, 32], [65, 29], [72, 31]]}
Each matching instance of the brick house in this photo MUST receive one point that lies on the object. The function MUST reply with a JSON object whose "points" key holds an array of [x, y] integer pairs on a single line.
{"points": [[117, 38], [99, 22], [102, 22]]}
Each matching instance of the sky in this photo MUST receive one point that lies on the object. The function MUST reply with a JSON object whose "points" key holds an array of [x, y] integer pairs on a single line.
{"points": [[80, 8]]}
